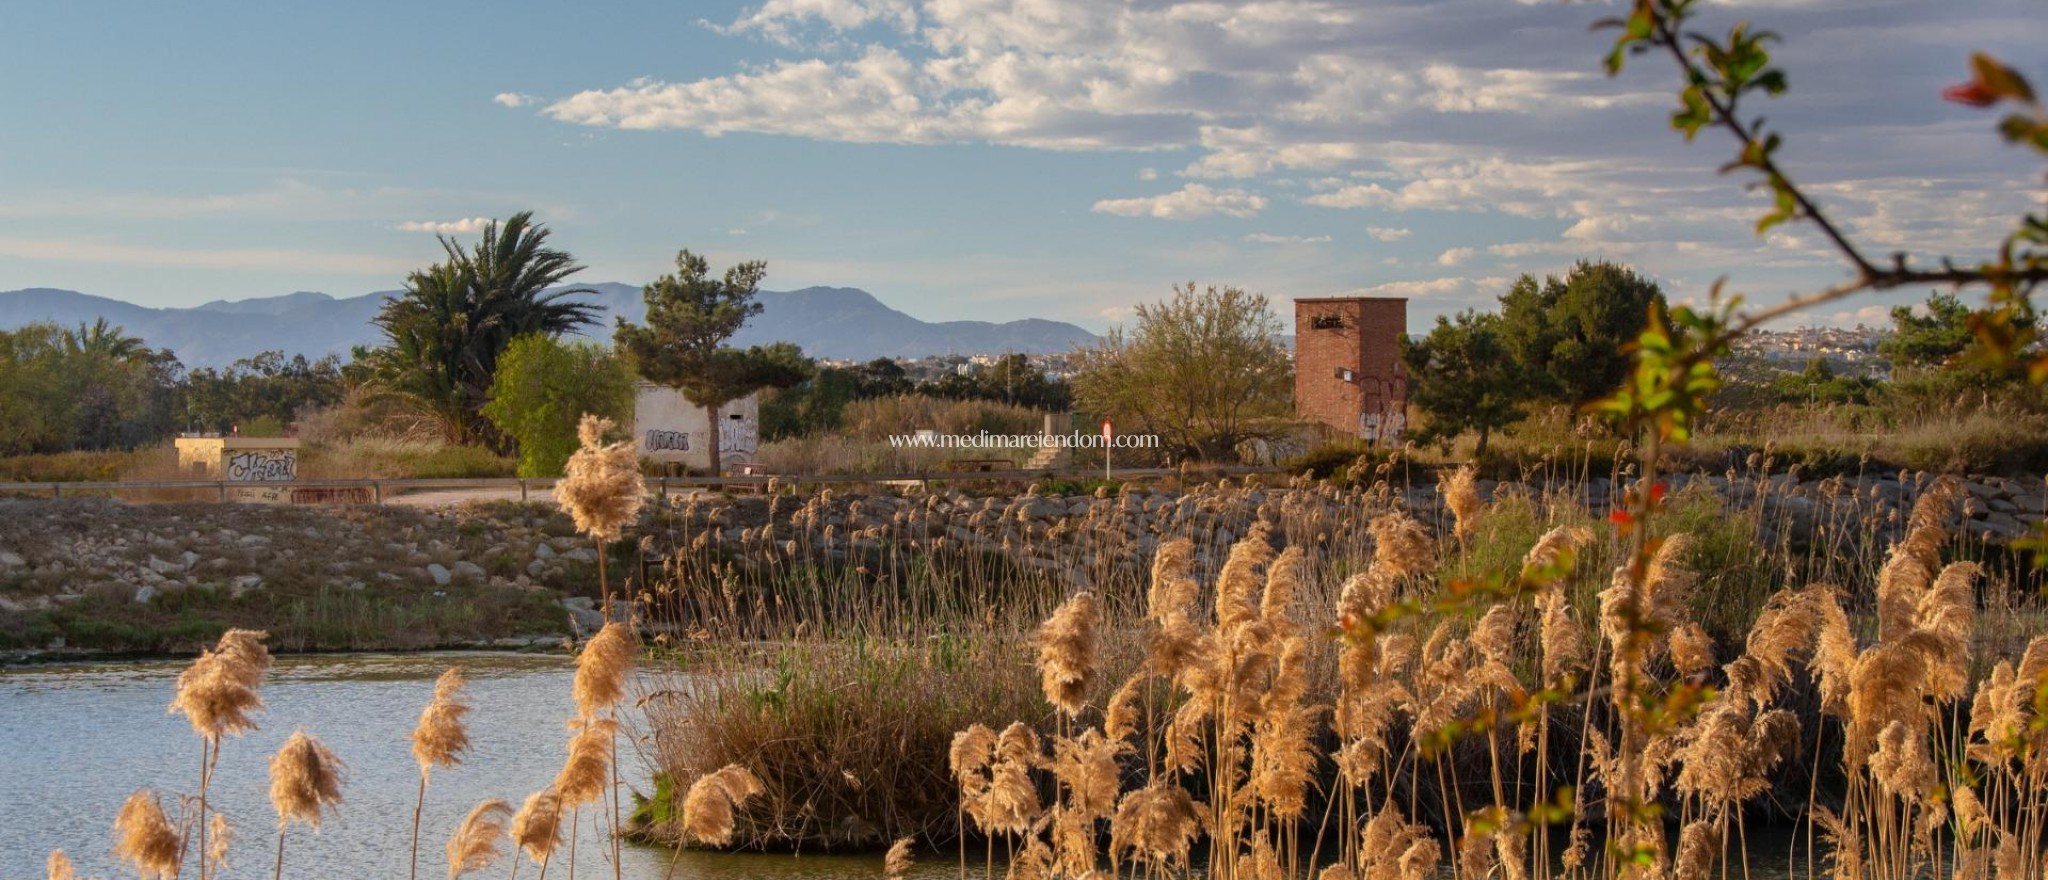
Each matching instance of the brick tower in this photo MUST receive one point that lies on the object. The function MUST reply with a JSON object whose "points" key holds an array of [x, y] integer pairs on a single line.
{"points": [[1347, 365]]}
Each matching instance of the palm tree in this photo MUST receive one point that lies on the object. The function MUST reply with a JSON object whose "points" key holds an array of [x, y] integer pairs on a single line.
{"points": [[101, 339], [457, 317]]}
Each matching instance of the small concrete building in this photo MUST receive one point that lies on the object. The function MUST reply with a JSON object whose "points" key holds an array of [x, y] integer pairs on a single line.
{"points": [[1347, 365], [239, 459], [672, 430], [254, 463]]}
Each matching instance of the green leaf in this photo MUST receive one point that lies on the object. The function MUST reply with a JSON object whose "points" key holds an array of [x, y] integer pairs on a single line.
{"points": [[2001, 80]]}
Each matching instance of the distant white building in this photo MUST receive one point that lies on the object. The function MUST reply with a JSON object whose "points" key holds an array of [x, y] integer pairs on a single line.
{"points": [[670, 429]]}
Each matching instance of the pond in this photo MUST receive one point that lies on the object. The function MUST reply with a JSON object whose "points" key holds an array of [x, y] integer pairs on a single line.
{"points": [[76, 740]]}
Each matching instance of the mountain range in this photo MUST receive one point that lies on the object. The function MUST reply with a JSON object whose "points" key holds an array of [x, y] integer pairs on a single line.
{"points": [[828, 322]]}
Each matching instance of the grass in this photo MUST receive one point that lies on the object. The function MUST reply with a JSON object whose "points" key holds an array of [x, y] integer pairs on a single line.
{"points": [[1304, 680]]}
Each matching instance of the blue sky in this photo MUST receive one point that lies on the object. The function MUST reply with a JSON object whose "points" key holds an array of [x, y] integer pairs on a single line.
{"points": [[988, 159]]}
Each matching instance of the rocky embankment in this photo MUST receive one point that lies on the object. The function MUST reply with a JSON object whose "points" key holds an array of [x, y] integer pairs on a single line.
{"points": [[99, 573]]}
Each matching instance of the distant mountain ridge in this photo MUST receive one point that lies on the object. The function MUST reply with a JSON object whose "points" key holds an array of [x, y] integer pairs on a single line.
{"points": [[828, 322]]}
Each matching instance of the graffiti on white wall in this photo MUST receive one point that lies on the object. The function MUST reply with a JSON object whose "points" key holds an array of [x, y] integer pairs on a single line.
{"points": [[666, 441], [738, 439], [263, 465]]}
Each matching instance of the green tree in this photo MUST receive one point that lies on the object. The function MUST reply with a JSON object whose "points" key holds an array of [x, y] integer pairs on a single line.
{"points": [[690, 315], [1203, 371], [100, 339], [1463, 379], [544, 386], [1935, 339], [456, 318], [1571, 334]]}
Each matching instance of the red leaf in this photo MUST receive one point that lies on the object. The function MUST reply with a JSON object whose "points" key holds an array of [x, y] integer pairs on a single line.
{"points": [[1973, 94]]}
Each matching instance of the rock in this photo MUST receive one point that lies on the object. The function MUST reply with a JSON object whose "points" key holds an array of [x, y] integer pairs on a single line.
{"points": [[161, 566], [244, 583], [355, 585], [543, 551], [439, 573], [188, 559], [144, 594], [253, 540], [536, 568], [583, 618], [469, 570], [581, 554], [11, 559]]}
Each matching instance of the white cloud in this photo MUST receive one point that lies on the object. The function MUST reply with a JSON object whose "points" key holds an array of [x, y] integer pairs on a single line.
{"points": [[1148, 174], [1454, 256], [1389, 233], [1187, 203], [1269, 238], [464, 226], [782, 20], [515, 100]]}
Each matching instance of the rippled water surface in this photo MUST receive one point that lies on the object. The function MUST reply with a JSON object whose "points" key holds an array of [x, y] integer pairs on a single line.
{"points": [[75, 741]]}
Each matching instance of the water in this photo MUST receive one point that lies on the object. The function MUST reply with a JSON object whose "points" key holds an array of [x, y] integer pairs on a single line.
{"points": [[75, 741]]}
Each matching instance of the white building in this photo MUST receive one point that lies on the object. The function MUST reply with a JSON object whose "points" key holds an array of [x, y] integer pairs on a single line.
{"points": [[670, 429]]}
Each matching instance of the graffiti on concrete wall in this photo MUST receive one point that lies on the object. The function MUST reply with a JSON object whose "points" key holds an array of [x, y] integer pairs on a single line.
{"points": [[738, 439], [661, 441], [263, 465]]}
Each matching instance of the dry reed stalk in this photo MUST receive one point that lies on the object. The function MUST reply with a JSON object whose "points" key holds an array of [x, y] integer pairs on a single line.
{"points": [[1067, 645], [708, 808], [145, 838], [58, 866], [475, 844]]}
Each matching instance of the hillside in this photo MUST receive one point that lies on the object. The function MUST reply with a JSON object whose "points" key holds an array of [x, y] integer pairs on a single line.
{"points": [[831, 322]]}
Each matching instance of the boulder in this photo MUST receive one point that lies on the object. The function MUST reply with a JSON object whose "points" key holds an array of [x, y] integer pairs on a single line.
{"points": [[469, 570], [439, 573]]}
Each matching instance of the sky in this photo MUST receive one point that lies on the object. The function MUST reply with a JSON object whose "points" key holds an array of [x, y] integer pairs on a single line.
{"points": [[977, 159]]}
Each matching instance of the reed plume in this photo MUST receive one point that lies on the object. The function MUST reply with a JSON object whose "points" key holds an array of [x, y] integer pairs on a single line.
{"points": [[1402, 547], [475, 844], [438, 741], [218, 691], [898, 861], [145, 838], [1159, 823], [1237, 584], [1067, 645], [59, 866], [441, 736], [1460, 492], [537, 827], [708, 808], [601, 487], [305, 781], [220, 838], [603, 668], [583, 777]]}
